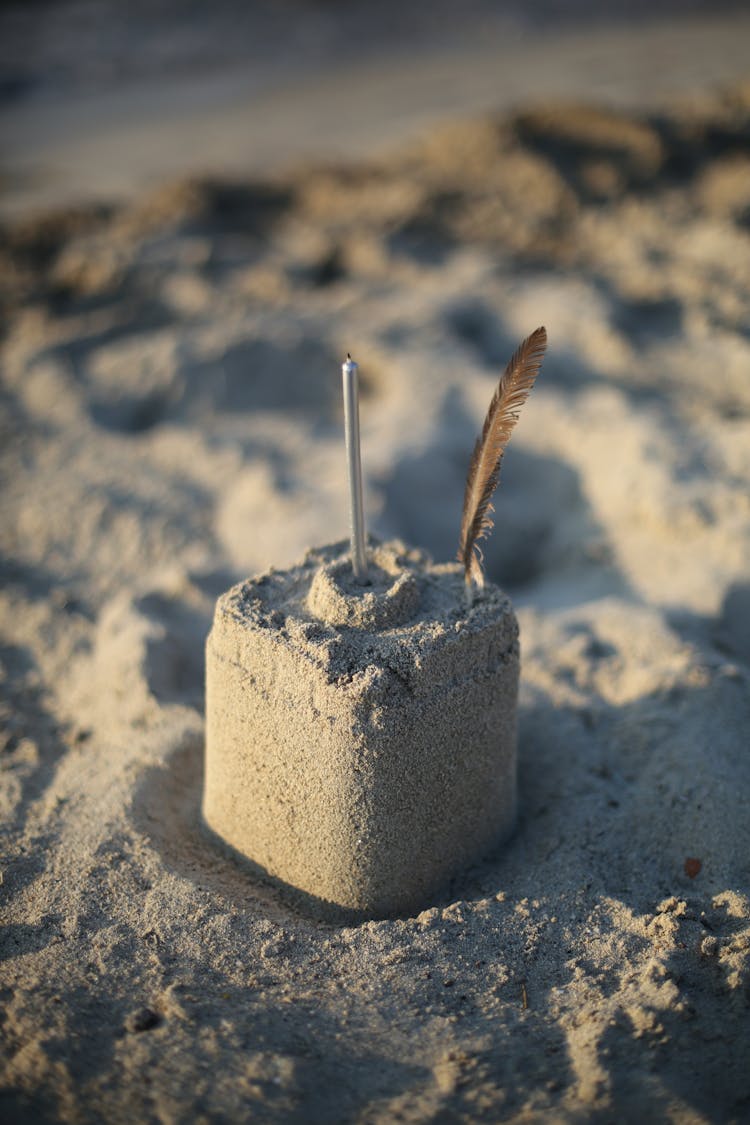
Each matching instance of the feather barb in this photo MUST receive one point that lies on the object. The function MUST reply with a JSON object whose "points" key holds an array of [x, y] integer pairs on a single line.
{"points": [[484, 467]]}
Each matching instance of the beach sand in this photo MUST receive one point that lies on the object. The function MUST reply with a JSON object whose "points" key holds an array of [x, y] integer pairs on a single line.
{"points": [[171, 424]]}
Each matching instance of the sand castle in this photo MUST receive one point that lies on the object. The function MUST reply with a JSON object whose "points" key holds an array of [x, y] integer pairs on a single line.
{"points": [[361, 706], [361, 746]]}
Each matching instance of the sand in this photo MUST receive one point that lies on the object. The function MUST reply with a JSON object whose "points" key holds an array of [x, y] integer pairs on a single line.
{"points": [[171, 425], [361, 742], [95, 108]]}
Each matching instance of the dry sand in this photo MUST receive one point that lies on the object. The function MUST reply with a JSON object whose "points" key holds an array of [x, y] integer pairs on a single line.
{"points": [[171, 424], [99, 103]]}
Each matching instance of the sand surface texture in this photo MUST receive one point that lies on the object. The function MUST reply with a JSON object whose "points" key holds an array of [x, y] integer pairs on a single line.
{"points": [[171, 424]]}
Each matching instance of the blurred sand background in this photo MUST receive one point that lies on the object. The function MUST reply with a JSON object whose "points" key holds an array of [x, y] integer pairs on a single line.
{"points": [[100, 99], [202, 212]]}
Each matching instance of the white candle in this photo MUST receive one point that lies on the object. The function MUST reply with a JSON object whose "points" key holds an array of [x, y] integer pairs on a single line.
{"points": [[349, 372]]}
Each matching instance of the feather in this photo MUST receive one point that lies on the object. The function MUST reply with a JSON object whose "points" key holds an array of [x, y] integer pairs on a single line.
{"points": [[484, 467]]}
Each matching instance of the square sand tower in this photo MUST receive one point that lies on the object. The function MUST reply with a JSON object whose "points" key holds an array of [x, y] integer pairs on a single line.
{"points": [[361, 741]]}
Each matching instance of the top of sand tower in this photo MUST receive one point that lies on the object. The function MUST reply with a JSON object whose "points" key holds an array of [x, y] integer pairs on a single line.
{"points": [[391, 598], [403, 621]]}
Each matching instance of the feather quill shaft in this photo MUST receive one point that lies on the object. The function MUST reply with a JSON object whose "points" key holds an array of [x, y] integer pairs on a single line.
{"points": [[484, 467]]}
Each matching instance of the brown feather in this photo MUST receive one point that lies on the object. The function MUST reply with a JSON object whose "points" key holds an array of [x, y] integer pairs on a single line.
{"points": [[484, 467]]}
